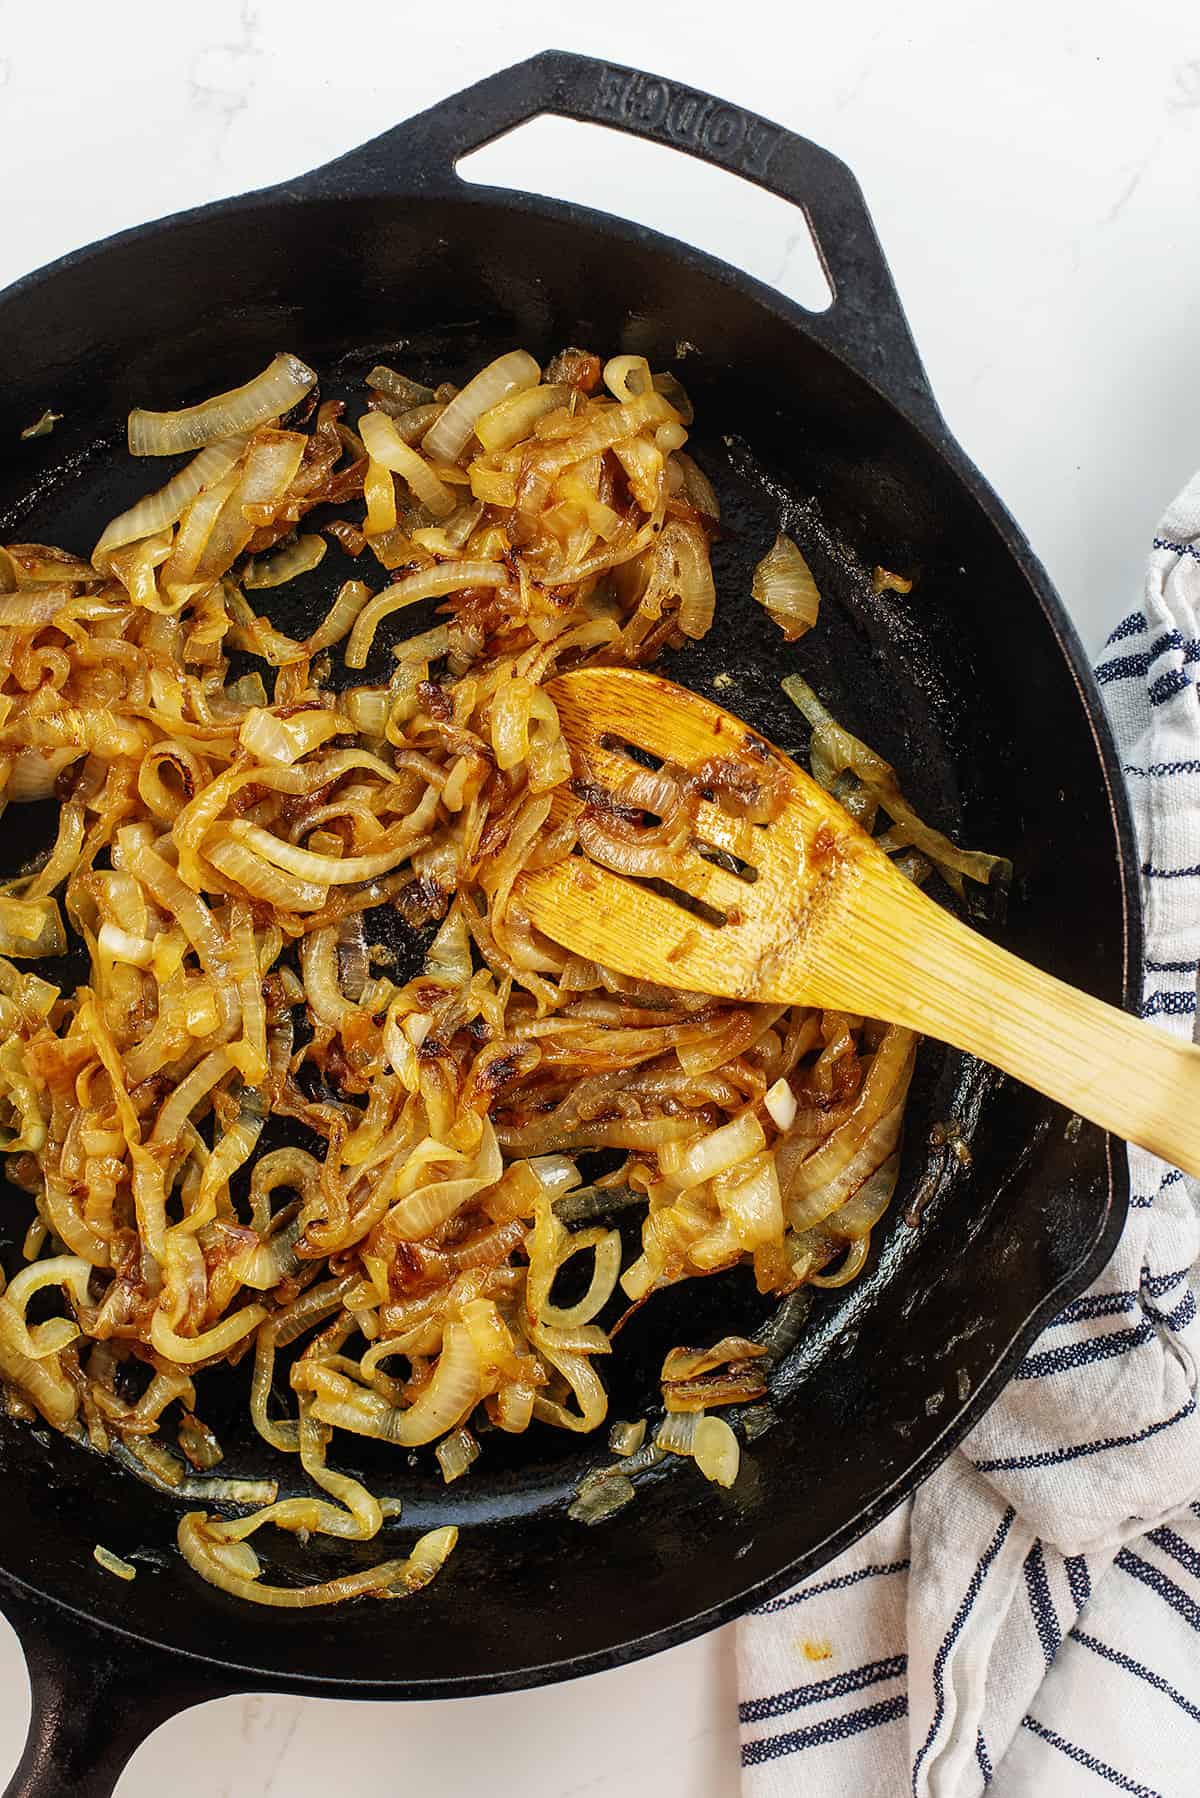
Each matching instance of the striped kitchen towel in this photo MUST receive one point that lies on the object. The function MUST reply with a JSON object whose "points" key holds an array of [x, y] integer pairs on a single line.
{"points": [[1029, 1623]]}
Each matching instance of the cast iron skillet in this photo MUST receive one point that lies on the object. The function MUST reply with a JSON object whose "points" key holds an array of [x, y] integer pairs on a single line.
{"points": [[975, 687]]}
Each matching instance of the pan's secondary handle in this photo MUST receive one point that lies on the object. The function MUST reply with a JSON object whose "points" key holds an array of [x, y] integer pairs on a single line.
{"points": [[865, 323], [97, 1695]]}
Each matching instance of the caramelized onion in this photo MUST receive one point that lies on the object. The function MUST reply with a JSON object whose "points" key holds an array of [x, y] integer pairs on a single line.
{"points": [[295, 904], [300, 557], [387, 449], [450, 577]]}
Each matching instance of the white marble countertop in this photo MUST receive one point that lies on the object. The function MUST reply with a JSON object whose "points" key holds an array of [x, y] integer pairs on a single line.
{"points": [[1032, 171]]}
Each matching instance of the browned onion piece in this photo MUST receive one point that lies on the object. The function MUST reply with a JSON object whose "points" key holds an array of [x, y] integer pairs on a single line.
{"points": [[685, 1364], [625, 856], [751, 785], [740, 1384]]}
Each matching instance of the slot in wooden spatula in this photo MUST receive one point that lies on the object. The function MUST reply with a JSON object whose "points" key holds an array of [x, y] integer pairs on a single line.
{"points": [[816, 914]]}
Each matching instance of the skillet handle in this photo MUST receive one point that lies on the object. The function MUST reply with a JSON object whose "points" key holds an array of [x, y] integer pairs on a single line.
{"points": [[97, 1695], [865, 325]]}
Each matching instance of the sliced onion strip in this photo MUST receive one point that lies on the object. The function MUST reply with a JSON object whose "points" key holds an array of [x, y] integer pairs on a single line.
{"points": [[275, 391], [168, 504], [387, 449], [432, 583], [449, 436]]}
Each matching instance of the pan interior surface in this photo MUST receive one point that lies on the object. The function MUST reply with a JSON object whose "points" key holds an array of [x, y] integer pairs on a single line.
{"points": [[961, 685]]}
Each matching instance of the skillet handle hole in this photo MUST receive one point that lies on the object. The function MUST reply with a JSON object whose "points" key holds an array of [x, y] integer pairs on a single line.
{"points": [[707, 207]]}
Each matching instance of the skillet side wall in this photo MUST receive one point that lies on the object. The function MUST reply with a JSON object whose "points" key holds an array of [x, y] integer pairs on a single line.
{"points": [[963, 686]]}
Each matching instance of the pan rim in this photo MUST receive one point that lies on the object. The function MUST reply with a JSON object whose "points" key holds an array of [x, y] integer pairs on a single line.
{"points": [[922, 416]]}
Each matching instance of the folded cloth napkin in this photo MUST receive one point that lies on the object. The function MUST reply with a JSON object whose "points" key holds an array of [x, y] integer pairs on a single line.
{"points": [[1030, 1621]]}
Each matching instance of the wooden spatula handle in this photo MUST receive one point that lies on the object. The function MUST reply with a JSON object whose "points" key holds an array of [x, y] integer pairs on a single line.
{"points": [[913, 963]]}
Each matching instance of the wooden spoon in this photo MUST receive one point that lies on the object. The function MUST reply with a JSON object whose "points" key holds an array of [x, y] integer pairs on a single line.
{"points": [[822, 917]]}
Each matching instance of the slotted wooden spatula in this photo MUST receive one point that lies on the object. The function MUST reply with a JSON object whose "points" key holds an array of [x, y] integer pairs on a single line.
{"points": [[817, 914]]}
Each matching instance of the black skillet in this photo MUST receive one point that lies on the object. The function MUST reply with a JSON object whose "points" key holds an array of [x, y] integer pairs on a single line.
{"points": [[975, 686]]}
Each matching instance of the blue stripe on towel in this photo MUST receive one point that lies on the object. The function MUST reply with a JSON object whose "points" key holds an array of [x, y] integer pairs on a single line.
{"points": [[1157, 1285], [834, 1729], [1166, 686], [1052, 1456], [1157, 770], [1139, 1671], [1095, 1304], [1174, 1545], [1079, 1580], [1177, 549], [1137, 667], [1133, 626], [952, 1635], [1082, 1354], [1045, 1619], [1179, 1318], [1168, 1005], [1157, 1581], [1084, 1759], [1139, 1200], [829, 1585], [856, 1679]]}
